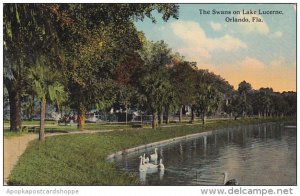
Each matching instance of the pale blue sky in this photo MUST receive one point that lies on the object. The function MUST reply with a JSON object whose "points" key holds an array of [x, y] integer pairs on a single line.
{"points": [[263, 54]]}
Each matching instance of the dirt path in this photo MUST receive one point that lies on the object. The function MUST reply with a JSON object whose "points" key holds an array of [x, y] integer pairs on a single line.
{"points": [[14, 147]]}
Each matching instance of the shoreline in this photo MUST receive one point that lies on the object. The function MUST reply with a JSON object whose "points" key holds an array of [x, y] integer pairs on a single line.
{"points": [[156, 144], [110, 145], [114, 155]]}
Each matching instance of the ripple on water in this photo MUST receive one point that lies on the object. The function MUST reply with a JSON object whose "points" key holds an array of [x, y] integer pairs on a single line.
{"points": [[254, 155]]}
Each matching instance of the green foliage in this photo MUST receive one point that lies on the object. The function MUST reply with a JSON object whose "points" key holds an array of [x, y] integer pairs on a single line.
{"points": [[45, 82], [102, 47], [153, 82], [183, 79], [291, 99], [30, 31], [84, 41], [244, 92], [207, 99], [105, 62]]}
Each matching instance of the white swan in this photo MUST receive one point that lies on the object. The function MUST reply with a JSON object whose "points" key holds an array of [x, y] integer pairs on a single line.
{"points": [[146, 160], [142, 166], [151, 166], [161, 165], [153, 157]]}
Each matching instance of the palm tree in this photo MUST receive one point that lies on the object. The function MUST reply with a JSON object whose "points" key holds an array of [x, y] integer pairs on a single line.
{"points": [[45, 84]]}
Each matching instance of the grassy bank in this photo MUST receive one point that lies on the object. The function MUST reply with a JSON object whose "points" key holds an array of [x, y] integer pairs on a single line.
{"points": [[80, 159]]}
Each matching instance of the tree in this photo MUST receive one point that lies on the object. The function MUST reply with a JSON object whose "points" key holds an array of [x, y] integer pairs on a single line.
{"points": [[30, 30], [207, 96], [279, 105], [45, 84], [124, 78], [170, 103], [244, 91], [153, 82], [291, 99], [14, 61], [236, 105], [29, 103], [183, 78], [99, 46], [266, 100]]}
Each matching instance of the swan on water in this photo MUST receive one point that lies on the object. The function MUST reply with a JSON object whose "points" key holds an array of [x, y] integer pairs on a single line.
{"points": [[153, 157], [161, 165], [231, 182], [142, 166], [146, 160], [151, 166]]}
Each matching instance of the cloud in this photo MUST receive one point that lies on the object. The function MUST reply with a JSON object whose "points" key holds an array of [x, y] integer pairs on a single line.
{"points": [[252, 64], [196, 42], [215, 26], [253, 27], [276, 73], [277, 34]]}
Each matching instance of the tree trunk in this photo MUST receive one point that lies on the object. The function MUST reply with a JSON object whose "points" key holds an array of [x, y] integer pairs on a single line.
{"points": [[159, 117], [180, 114], [154, 120], [15, 110], [42, 120], [167, 116], [126, 114], [203, 118], [193, 115], [81, 116]]}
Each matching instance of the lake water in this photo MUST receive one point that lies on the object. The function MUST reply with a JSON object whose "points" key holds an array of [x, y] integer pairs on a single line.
{"points": [[254, 155]]}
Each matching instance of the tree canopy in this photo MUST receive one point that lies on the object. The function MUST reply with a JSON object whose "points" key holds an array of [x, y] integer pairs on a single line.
{"points": [[95, 54]]}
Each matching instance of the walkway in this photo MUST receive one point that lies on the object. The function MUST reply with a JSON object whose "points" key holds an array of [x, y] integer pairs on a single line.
{"points": [[14, 147]]}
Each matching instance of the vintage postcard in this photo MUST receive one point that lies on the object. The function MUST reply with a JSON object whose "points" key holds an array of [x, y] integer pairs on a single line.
{"points": [[149, 94]]}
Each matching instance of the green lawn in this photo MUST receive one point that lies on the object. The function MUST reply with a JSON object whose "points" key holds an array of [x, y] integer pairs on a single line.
{"points": [[9, 134], [31, 122], [52, 128], [80, 159]]}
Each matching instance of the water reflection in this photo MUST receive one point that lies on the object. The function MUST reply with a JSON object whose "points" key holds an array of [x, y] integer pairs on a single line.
{"points": [[151, 171], [254, 155]]}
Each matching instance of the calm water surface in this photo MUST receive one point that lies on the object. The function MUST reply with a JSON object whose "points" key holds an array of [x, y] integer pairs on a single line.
{"points": [[254, 155]]}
